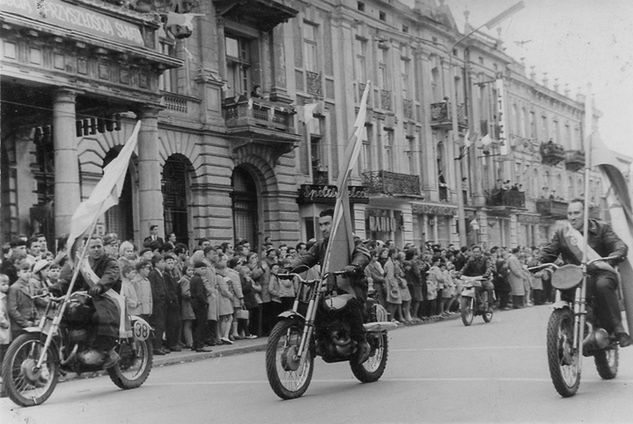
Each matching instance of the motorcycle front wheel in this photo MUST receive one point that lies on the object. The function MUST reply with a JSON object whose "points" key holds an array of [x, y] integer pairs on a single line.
{"points": [[607, 363], [288, 375], [466, 310], [373, 368], [25, 385], [488, 313], [562, 358], [134, 366]]}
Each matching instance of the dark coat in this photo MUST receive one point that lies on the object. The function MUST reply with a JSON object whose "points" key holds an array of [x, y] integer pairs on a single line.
{"points": [[153, 244], [316, 254], [198, 292], [107, 311], [601, 238], [159, 289], [475, 267], [20, 306]]}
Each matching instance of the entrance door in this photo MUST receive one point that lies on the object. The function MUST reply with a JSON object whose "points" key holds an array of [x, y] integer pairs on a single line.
{"points": [[245, 208], [119, 218], [175, 186]]}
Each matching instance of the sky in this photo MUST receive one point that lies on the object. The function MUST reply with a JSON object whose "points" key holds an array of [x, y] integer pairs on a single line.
{"points": [[580, 42]]}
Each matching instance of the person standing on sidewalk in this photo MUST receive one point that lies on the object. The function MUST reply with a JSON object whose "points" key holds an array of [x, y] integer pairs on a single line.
{"points": [[159, 302], [199, 303], [173, 322]]}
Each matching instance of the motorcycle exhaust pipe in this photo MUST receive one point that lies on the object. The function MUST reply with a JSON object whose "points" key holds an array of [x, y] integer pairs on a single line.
{"points": [[596, 340]]}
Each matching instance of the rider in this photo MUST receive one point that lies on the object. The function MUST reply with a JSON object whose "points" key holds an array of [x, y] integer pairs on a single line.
{"points": [[354, 271], [106, 315], [603, 280], [480, 265]]}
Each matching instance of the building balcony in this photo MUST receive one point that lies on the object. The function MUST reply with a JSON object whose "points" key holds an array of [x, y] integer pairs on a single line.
{"points": [[441, 116], [557, 209], [262, 14], [552, 153], [507, 198], [261, 121], [391, 183], [574, 160]]}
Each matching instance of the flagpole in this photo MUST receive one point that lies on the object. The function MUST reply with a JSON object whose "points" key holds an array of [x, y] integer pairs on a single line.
{"points": [[588, 137]]}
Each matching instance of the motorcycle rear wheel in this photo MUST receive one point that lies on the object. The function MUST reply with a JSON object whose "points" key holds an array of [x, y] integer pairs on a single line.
{"points": [[133, 369], [373, 368], [288, 376], [607, 363], [24, 385], [466, 310], [562, 358]]}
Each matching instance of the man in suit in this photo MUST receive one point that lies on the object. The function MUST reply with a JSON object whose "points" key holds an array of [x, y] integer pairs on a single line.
{"points": [[159, 302], [153, 241]]}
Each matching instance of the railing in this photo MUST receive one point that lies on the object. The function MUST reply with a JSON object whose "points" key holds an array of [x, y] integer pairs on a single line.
{"points": [[552, 153], [175, 102], [575, 160], [508, 198], [441, 115], [391, 183], [258, 112], [552, 207]]}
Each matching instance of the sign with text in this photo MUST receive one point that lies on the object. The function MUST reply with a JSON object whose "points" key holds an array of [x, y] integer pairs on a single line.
{"points": [[318, 193], [73, 17]]}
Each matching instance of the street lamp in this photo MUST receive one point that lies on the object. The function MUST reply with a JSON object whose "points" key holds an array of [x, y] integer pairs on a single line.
{"points": [[461, 215]]}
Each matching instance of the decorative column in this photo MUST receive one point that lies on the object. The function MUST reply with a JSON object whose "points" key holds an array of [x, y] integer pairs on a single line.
{"points": [[150, 194], [67, 188]]}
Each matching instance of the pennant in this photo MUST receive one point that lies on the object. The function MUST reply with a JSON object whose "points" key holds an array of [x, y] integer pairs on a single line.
{"points": [[341, 243], [105, 194]]}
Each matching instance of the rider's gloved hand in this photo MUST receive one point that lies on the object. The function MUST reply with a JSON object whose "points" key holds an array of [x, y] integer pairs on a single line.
{"points": [[351, 270], [95, 290]]}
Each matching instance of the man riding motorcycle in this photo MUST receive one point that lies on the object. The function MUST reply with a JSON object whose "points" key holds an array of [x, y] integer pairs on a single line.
{"points": [[105, 318], [602, 283], [355, 273], [480, 265]]}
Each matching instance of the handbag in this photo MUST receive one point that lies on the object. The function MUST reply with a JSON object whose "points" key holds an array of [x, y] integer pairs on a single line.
{"points": [[242, 313]]}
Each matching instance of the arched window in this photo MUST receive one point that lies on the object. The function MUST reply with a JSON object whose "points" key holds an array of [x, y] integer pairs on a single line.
{"points": [[175, 185]]}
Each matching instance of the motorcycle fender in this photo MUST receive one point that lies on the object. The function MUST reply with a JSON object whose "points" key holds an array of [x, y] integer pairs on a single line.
{"points": [[561, 304], [290, 314], [140, 328], [468, 292]]}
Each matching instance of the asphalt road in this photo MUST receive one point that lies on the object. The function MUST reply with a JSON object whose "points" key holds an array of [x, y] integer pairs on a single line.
{"points": [[441, 372]]}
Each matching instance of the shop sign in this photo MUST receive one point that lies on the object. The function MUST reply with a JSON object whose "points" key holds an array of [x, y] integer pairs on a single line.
{"points": [[318, 193], [379, 220], [73, 17]]}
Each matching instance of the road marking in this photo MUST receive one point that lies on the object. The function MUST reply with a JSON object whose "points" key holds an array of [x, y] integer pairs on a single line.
{"points": [[458, 348]]}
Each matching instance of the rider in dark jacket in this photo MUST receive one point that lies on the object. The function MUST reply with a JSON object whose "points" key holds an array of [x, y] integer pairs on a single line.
{"points": [[480, 265], [603, 281], [360, 259]]}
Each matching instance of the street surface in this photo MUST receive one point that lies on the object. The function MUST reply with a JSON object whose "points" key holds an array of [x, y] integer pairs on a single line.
{"points": [[440, 372]]}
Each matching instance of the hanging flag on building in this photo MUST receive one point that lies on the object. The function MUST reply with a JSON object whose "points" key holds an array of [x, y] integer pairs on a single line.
{"points": [[341, 243], [501, 116], [306, 114], [105, 194]]}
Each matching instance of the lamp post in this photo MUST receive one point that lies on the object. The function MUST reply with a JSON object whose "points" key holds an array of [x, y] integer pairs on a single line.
{"points": [[461, 215]]}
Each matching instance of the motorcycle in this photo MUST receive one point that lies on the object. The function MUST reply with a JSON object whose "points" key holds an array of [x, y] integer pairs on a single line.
{"points": [[61, 343], [299, 337], [474, 300], [574, 331]]}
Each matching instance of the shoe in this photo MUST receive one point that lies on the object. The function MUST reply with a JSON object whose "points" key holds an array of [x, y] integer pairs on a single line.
{"points": [[624, 339], [363, 352], [111, 360], [159, 352], [226, 341], [237, 338], [175, 348], [203, 349], [251, 336]]}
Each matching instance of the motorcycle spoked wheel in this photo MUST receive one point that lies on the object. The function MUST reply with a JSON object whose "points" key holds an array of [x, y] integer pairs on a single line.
{"points": [[607, 362], [288, 376], [487, 315], [466, 310], [24, 385], [373, 368], [563, 360], [135, 364]]}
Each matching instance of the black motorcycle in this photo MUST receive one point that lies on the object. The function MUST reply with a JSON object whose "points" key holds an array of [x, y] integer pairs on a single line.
{"points": [[316, 326], [62, 343]]}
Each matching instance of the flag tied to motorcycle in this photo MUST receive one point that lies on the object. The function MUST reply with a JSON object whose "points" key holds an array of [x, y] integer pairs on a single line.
{"points": [[105, 194], [341, 243]]}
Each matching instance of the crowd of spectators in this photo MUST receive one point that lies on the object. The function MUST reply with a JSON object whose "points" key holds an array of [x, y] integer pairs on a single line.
{"points": [[222, 293]]}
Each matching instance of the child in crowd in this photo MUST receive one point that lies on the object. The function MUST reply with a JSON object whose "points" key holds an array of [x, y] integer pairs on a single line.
{"points": [[5, 328], [128, 273], [143, 289], [186, 309], [274, 289], [53, 273], [20, 302]]}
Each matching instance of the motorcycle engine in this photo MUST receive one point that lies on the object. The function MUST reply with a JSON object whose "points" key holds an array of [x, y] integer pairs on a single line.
{"points": [[91, 357]]}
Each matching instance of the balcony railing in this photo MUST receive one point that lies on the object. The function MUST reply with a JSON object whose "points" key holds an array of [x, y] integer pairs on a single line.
{"points": [[575, 160], [320, 175], [441, 115], [507, 198], [552, 153], [557, 209], [391, 183]]}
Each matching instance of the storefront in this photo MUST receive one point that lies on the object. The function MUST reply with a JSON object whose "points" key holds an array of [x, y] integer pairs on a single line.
{"points": [[434, 223]]}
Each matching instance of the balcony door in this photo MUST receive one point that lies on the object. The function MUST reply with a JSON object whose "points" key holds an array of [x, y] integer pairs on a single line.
{"points": [[238, 65]]}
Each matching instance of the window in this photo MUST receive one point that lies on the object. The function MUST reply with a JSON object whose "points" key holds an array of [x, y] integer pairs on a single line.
{"points": [[238, 58], [411, 155], [557, 132], [568, 141], [360, 6], [389, 137], [405, 72], [310, 47], [382, 16], [532, 133], [166, 81], [382, 77], [435, 84], [544, 128], [361, 60], [405, 28]]}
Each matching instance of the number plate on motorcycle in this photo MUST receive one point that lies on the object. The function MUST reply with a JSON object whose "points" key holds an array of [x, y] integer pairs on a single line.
{"points": [[141, 330]]}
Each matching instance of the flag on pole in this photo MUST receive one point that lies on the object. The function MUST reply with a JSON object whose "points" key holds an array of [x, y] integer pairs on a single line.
{"points": [[105, 194], [308, 115], [341, 243]]}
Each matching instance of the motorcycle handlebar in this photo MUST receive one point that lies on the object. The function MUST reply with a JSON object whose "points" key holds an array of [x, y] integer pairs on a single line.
{"points": [[292, 275], [608, 258], [553, 265]]}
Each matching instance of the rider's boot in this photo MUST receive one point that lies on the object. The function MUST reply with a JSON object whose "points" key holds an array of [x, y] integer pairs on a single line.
{"points": [[623, 337], [112, 358], [363, 351]]}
